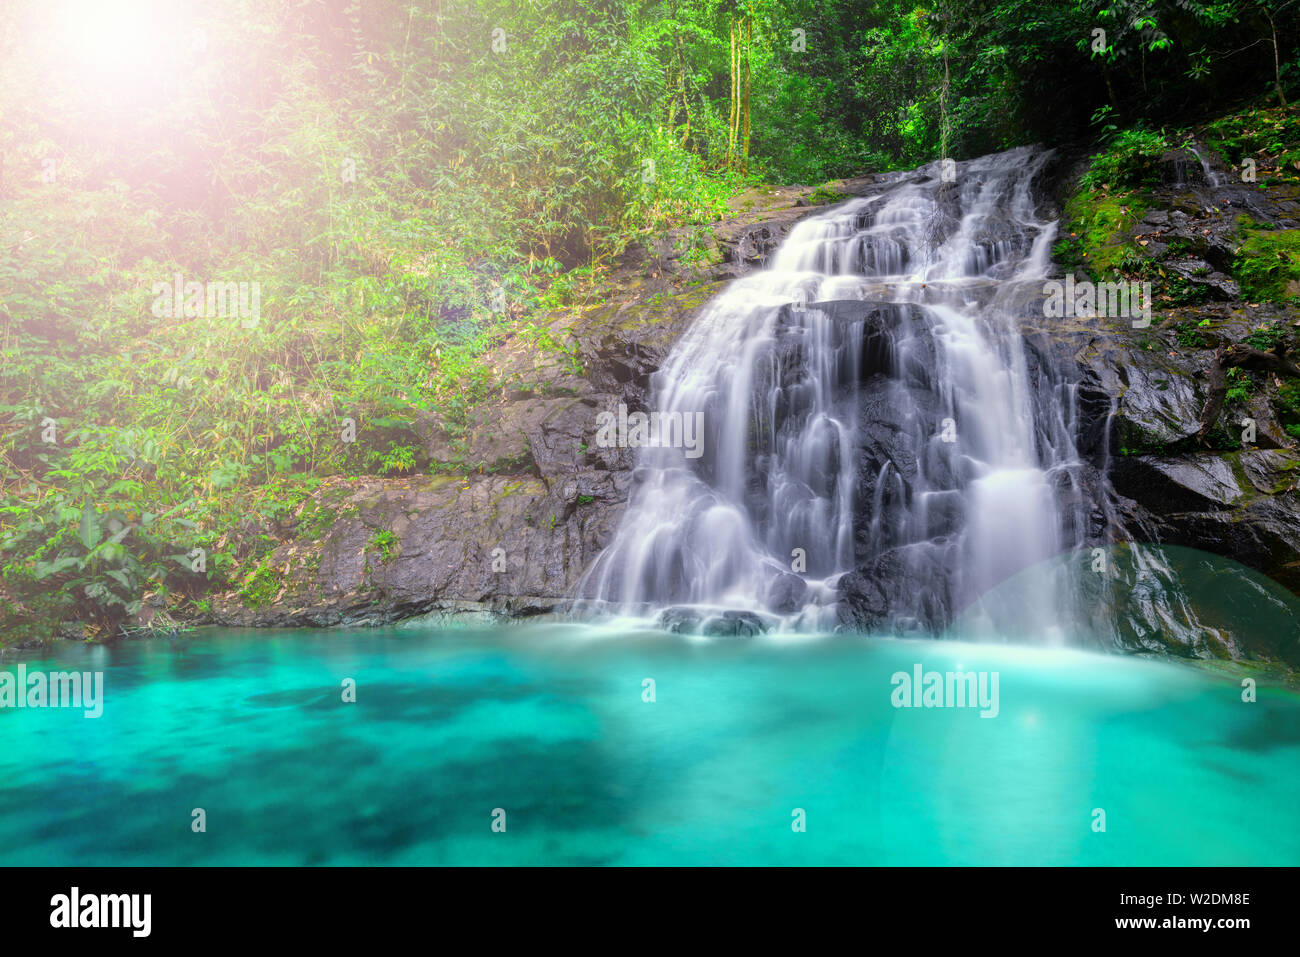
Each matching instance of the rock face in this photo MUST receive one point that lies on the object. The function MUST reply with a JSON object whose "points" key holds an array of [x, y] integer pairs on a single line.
{"points": [[1142, 391], [1141, 394]]}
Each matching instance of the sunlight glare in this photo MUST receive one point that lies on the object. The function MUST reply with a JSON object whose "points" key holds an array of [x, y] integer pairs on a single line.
{"points": [[108, 46]]}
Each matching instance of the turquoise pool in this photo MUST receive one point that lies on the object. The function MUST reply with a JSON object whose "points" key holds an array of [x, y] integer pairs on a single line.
{"points": [[548, 723]]}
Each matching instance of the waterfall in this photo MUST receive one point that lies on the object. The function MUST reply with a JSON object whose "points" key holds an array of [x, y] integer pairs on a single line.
{"points": [[1212, 176], [871, 426]]}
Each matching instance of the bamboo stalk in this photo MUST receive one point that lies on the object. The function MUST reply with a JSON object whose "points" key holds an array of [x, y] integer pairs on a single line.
{"points": [[749, 45], [732, 95]]}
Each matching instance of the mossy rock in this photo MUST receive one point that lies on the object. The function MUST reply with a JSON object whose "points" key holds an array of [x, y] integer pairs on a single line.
{"points": [[1268, 265]]}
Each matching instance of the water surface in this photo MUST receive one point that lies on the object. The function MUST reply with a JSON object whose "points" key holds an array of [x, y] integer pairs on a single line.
{"points": [[548, 723]]}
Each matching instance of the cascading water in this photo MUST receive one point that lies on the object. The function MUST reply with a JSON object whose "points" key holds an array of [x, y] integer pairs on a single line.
{"points": [[1212, 176], [870, 426]]}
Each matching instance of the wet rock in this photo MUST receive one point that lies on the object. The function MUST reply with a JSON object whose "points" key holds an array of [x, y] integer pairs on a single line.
{"points": [[725, 624], [1177, 483], [680, 621], [734, 624], [1180, 168], [1201, 273], [515, 545], [787, 594], [526, 499], [1271, 472], [906, 589], [1158, 403]]}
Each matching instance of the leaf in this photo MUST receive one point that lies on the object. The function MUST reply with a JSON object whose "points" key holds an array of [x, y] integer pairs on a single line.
{"points": [[46, 569], [89, 532], [121, 577]]}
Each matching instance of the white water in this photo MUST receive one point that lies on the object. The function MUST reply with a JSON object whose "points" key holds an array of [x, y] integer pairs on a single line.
{"points": [[826, 423], [1212, 176]]}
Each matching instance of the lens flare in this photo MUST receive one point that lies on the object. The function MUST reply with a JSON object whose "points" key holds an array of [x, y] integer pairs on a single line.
{"points": [[112, 49]]}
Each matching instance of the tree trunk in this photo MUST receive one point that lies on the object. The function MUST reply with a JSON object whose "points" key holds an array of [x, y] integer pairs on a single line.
{"points": [[749, 43], [1277, 67], [681, 86], [671, 119], [1110, 90]]}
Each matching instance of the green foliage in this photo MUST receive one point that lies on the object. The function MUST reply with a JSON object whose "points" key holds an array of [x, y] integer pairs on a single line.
{"points": [[398, 460], [1189, 336], [1270, 137], [1288, 404], [1240, 386], [314, 520], [1129, 161], [826, 194], [259, 586], [1267, 337], [385, 543]]}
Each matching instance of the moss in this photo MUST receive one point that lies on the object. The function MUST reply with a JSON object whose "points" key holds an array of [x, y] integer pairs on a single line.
{"points": [[523, 487], [666, 308], [1268, 265], [826, 194], [1095, 237], [1285, 481], [506, 465], [1240, 476]]}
